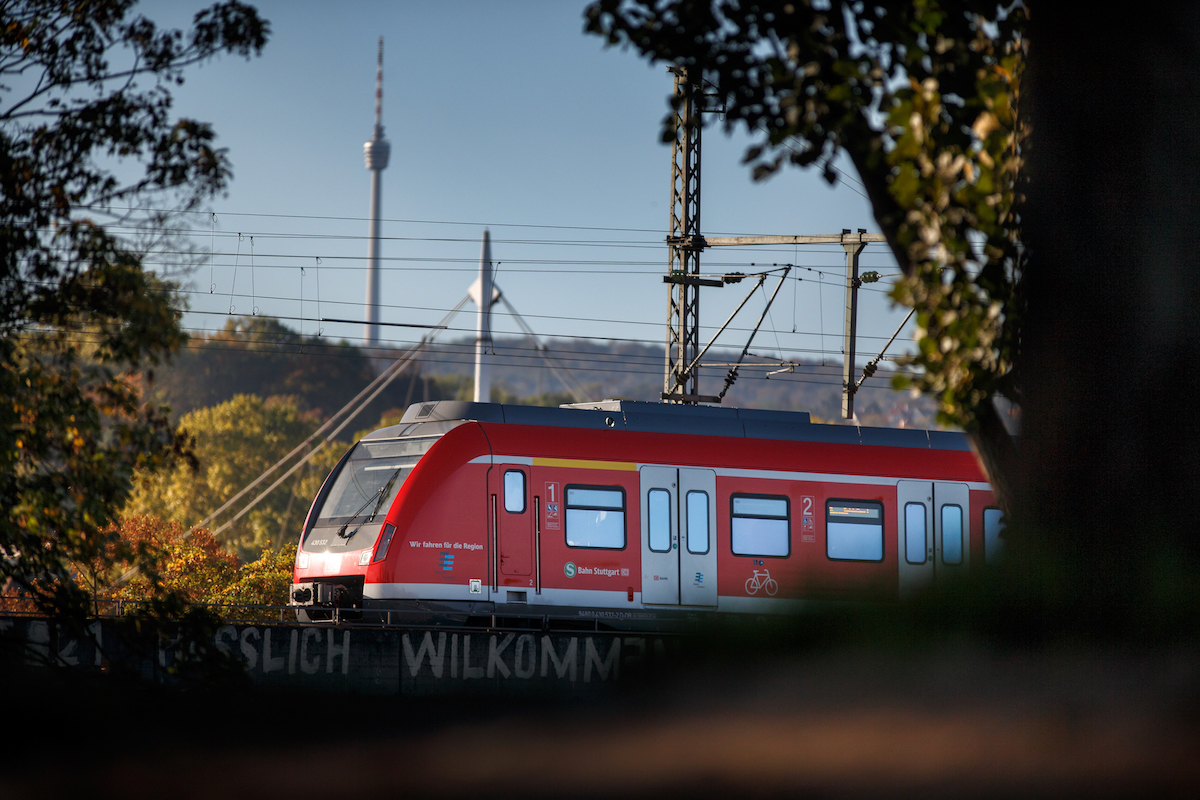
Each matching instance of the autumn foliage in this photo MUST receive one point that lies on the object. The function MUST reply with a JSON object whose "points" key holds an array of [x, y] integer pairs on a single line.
{"points": [[197, 567], [92, 160]]}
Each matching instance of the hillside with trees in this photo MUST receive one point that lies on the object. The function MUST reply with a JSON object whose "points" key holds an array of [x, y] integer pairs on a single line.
{"points": [[262, 357], [633, 371]]}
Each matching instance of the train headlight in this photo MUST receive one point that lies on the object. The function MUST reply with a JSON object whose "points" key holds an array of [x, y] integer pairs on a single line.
{"points": [[364, 558], [302, 561]]}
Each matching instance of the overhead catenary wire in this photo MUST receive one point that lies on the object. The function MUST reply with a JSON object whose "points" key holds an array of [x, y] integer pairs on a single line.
{"points": [[219, 339], [380, 384], [311, 348], [582, 337], [253, 301], [468, 223], [533, 262], [352, 410], [871, 366], [554, 265], [212, 255], [414, 356], [233, 284], [383, 379], [560, 317], [652, 366]]}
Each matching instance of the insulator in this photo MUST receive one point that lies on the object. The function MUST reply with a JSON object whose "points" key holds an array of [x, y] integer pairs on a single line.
{"points": [[870, 277]]}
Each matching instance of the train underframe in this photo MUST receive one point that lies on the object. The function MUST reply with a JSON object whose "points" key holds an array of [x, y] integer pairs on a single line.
{"points": [[340, 600]]}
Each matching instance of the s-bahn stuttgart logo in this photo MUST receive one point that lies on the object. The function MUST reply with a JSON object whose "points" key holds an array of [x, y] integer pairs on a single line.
{"points": [[570, 569], [446, 562]]}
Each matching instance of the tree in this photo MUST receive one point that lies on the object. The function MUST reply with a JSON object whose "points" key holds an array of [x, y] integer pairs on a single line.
{"points": [[1108, 463], [938, 104], [253, 355], [924, 100], [189, 562], [86, 134], [234, 442], [193, 564]]}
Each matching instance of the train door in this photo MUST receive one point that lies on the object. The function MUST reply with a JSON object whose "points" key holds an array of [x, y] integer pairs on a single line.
{"points": [[933, 531], [697, 537], [511, 510], [951, 528], [914, 512], [678, 523], [660, 535]]}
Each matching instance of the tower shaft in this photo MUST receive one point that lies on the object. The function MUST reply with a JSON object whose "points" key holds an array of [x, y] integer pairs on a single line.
{"points": [[483, 329], [371, 330], [376, 152]]}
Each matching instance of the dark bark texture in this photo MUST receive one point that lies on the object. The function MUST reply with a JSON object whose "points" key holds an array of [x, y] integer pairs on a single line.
{"points": [[1109, 462]]}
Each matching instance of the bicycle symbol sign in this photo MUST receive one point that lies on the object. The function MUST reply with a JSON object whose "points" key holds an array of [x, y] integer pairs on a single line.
{"points": [[762, 580]]}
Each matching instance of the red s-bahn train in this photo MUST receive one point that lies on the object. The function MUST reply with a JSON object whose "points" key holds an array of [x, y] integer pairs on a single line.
{"points": [[635, 515]]}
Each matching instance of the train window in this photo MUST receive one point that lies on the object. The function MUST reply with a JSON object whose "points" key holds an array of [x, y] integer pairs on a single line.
{"points": [[371, 478], [952, 535], [759, 526], [697, 522], [993, 534], [596, 517], [514, 491], [854, 530], [915, 532], [381, 549], [659, 518]]}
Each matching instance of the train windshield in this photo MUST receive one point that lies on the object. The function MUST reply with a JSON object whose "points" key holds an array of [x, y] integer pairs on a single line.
{"points": [[371, 479]]}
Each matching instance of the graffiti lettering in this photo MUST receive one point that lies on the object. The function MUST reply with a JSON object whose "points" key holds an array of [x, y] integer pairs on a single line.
{"points": [[387, 661], [494, 663], [509, 656]]}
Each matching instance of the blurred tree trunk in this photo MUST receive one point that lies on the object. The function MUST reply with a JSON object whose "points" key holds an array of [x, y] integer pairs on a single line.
{"points": [[1110, 452]]}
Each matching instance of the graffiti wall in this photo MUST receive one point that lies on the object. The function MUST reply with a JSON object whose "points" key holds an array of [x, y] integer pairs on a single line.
{"points": [[410, 661]]}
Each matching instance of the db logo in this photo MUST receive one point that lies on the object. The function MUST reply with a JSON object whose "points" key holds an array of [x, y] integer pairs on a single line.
{"points": [[569, 569]]}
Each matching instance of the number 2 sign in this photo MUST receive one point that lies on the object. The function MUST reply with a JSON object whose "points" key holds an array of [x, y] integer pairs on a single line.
{"points": [[808, 518]]}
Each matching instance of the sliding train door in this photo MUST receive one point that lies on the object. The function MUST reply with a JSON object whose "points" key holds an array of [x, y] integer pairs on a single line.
{"points": [[697, 537], [678, 524], [660, 535], [511, 520], [951, 528], [933, 532]]}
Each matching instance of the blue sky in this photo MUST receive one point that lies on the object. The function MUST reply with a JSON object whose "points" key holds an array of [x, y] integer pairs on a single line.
{"points": [[500, 115]]}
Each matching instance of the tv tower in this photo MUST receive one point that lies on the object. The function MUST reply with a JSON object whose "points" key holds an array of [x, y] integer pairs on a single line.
{"points": [[376, 152]]}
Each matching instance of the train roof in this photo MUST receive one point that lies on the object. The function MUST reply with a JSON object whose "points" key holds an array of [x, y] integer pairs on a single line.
{"points": [[634, 415]]}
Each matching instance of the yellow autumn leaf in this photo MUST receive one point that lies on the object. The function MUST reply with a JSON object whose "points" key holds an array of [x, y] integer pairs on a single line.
{"points": [[984, 125]]}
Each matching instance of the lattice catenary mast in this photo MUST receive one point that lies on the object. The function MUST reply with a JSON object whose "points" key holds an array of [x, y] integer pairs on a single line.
{"points": [[681, 380]]}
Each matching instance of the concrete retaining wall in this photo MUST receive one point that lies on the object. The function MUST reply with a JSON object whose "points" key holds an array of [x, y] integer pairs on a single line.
{"points": [[409, 661]]}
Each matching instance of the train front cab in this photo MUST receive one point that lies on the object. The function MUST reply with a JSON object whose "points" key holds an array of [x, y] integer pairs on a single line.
{"points": [[351, 526]]}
